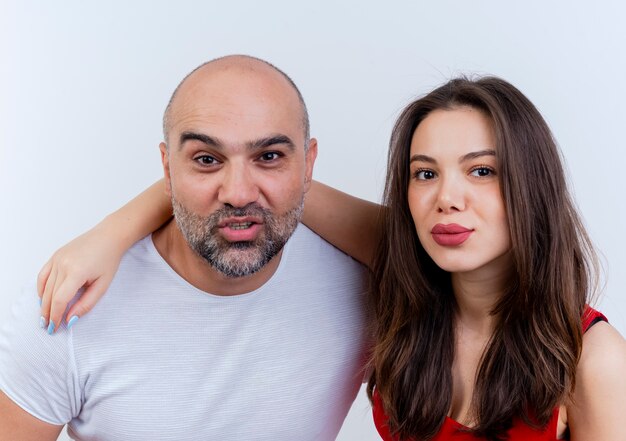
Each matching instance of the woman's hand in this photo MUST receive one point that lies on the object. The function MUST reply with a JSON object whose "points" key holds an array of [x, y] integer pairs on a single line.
{"points": [[90, 261]]}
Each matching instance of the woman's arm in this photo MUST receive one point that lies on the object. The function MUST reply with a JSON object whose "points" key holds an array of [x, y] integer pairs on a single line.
{"points": [[597, 409], [351, 224], [91, 260]]}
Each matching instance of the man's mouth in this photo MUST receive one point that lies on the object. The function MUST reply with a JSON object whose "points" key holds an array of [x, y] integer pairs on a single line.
{"points": [[243, 229], [240, 225]]}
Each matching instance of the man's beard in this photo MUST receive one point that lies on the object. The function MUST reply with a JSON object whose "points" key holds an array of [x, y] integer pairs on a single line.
{"points": [[236, 259]]}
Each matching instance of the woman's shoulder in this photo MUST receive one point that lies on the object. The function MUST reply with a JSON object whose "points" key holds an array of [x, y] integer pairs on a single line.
{"points": [[604, 352], [599, 397], [591, 317]]}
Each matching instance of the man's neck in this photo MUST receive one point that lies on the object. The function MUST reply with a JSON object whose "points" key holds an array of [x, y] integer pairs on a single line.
{"points": [[175, 250]]}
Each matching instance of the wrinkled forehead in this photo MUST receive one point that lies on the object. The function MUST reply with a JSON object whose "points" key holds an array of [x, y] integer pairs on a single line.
{"points": [[236, 103]]}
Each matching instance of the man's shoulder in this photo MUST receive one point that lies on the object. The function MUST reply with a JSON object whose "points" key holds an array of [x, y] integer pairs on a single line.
{"points": [[142, 260], [316, 247], [33, 363], [142, 278], [141, 251], [308, 250]]}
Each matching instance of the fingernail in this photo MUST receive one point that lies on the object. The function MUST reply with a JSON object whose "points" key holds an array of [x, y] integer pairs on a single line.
{"points": [[40, 301], [73, 320], [42, 322], [51, 327]]}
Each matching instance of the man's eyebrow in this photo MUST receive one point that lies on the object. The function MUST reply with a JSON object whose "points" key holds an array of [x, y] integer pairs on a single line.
{"points": [[252, 145], [205, 139], [270, 141]]}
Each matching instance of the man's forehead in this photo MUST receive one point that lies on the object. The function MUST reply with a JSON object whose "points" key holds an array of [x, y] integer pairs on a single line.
{"points": [[235, 84], [233, 88], [235, 110], [230, 119]]}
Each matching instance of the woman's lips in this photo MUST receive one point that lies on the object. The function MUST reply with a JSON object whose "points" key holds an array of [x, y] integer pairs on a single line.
{"points": [[450, 235]]}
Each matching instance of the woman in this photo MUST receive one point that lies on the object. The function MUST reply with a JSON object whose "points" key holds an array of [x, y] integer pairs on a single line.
{"points": [[481, 276]]}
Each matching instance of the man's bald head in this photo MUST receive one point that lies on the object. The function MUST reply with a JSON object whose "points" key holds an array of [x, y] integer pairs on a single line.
{"points": [[235, 63]]}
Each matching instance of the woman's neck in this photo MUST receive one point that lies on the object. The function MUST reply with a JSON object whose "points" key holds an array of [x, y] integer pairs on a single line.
{"points": [[477, 293]]}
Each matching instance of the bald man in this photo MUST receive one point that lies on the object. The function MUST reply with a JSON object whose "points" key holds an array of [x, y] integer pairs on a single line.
{"points": [[232, 322]]}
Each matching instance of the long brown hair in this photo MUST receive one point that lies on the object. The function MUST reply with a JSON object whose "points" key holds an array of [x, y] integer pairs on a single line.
{"points": [[528, 367]]}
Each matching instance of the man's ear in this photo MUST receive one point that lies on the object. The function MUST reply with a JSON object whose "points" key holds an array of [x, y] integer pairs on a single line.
{"points": [[310, 156], [165, 160]]}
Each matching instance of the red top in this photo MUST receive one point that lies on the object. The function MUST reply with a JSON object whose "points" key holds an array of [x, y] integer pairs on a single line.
{"points": [[519, 432]]}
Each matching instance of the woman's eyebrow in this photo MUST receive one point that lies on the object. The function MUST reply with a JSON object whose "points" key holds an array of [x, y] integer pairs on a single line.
{"points": [[478, 154], [422, 158]]}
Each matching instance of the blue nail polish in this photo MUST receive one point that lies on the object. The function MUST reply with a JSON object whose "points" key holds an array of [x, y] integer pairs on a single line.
{"points": [[73, 320], [51, 327], [40, 301], [42, 322]]}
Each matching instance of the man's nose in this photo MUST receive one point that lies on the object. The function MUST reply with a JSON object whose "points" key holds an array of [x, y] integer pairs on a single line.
{"points": [[238, 187], [451, 195]]}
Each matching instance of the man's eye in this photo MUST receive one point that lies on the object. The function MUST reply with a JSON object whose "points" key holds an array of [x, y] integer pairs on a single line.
{"points": [[269, 156], [206, 160], [424, 174], [482, 172]]}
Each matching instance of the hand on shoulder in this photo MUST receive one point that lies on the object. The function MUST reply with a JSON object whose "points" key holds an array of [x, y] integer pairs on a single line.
{"points": [[89, 261]]}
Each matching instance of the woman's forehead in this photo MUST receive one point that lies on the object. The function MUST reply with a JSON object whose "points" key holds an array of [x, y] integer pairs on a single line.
{"points": [[457, 131]]}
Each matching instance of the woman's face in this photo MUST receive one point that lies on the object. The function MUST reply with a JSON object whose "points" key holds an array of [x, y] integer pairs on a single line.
{"points": [[454, 192]]}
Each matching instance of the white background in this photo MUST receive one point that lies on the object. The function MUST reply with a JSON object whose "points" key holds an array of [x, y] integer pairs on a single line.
{"points": [[83, 86]]}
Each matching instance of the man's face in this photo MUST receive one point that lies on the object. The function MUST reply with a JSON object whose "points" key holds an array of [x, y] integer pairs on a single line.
{"points": [[236, 167]]}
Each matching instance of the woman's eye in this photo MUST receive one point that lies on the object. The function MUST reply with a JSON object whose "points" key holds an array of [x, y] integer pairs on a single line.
{"points": [[206, 160], [482, 172], [424, 175]]}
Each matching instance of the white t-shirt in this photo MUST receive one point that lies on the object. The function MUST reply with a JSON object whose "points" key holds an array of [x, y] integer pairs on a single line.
{"points": [[158, 359]]}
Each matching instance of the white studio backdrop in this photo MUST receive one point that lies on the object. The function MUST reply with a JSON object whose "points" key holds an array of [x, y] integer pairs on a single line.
{"points": [[84, 85]]}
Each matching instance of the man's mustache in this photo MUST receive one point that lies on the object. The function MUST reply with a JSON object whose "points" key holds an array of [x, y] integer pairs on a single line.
{"points": [[252, 209]]}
